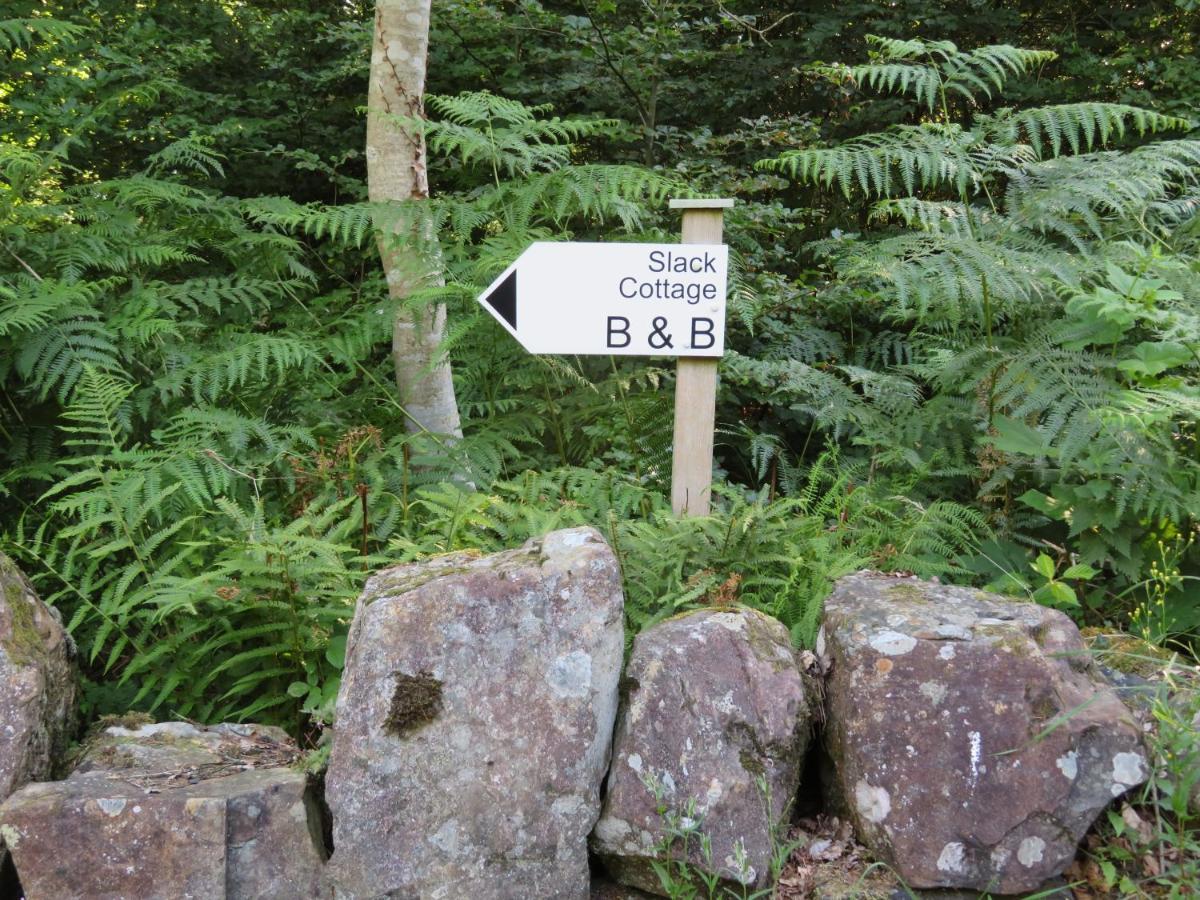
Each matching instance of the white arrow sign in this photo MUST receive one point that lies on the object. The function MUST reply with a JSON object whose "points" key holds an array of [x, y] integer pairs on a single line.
{"points": [[620, 299]]}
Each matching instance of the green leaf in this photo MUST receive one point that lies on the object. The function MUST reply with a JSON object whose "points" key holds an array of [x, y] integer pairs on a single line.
{"points": [[1080, 570], [330, 691], [1044, 566], [297, 689], [1063, 594], [1044, 503], [335, 653], [1116, 822], [1055, 593], [1151, 358], [1014, 436], [1109, 871]]}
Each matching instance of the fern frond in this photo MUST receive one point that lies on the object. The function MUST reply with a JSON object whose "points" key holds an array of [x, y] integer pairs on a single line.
{"points": [[596, 192], [928, 70], [15, 33], [192, 153], [1079, 127], [503, 136], [912, 157], [1068, 195], [349, 223], [54, 359], [252, 358]]}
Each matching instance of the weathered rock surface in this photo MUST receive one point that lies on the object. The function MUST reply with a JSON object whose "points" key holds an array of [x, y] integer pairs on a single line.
{"points": [[37, 684], [973, 741], [474, 723], [716, 715], [171, 811]]}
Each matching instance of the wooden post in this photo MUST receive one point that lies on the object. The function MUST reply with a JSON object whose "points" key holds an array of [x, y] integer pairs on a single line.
{"points": [[695, 385]]}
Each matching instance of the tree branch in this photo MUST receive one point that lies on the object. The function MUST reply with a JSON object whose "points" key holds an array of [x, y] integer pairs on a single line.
{"points": [[743, 22], [643, 114], [28, 268]]}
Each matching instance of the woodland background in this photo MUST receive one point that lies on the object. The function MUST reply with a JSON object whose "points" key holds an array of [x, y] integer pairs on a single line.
{"points": [[964, 335]]}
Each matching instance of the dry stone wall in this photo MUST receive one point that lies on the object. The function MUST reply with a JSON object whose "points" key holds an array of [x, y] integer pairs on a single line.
{"points": [[172, 811], [973, 744]]}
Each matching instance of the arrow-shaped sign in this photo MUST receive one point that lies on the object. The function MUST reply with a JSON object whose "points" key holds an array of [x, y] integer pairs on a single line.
{"points": [[621, 299]]}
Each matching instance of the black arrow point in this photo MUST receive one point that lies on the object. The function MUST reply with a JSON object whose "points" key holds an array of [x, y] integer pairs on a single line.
{"points": [[504, 299]]}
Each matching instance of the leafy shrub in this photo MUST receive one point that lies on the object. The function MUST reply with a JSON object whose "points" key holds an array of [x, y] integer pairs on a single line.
{"points": [[1018, 318]]}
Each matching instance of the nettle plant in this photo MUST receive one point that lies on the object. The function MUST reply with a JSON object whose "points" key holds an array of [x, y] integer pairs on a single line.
{"points": [[1018, 317]]}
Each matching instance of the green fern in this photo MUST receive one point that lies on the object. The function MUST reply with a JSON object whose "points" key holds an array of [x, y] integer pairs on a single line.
{"points": [[1028, 260], [928, 71], [506, 137], [912, 157], [782, 556], [18, 33], [1078, 127]]}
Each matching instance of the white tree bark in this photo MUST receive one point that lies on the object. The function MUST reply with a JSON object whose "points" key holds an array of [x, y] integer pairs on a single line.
{"points": [[396, 172]]}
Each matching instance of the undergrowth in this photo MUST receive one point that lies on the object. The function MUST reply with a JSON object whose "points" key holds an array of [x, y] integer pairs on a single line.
{"points": [[985, 371]]}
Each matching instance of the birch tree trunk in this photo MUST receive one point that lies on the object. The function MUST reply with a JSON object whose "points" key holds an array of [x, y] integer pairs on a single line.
{"points": [[396, 171]]}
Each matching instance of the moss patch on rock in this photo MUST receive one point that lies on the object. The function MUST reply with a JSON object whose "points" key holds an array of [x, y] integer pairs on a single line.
{"points": [[1006, 637], [902, 590], [751, 762], [393, 583], [767, 641], [416, 701], [1126, 652], [23, 643]]}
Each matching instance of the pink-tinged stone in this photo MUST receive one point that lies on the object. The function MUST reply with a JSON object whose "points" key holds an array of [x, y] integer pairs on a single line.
{"points": [[973, 740], [712, 733], [37, 685]]}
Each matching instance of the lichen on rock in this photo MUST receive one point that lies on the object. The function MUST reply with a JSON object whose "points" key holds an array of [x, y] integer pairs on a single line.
{"points": [[714, 729], [37, 685], [972, 736], [475, 720]]}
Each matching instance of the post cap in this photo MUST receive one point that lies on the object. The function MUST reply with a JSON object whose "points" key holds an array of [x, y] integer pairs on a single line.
{"points": [[701, 204]]}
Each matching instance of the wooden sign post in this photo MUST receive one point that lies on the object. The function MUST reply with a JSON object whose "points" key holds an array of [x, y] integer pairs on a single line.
{"points": [[634, 300], [695, 385]]}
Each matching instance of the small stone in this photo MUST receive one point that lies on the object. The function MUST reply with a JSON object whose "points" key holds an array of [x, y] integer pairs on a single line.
{"points": [[715, 735], [250, 835]]}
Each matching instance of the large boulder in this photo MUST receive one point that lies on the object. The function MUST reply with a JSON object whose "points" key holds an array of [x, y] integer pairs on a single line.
{"points": [[710, 740], [37, 685], [474, 723], [972, 739], [172, 811]]}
